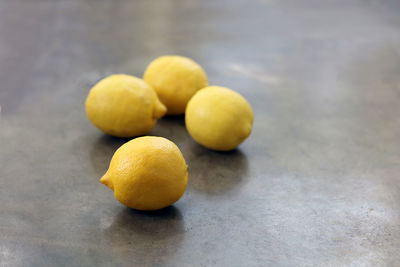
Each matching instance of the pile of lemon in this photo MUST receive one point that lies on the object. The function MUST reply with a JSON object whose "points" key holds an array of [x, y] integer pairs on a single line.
{"points": [[150, 173]]}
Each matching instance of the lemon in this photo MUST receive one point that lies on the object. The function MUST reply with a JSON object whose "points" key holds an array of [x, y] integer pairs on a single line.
{"points": [[124, 106], [219, 118], [147, 173], [175, 79]]}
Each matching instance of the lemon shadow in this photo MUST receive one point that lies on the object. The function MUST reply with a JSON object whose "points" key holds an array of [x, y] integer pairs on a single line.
{"points": [[215, 172], [172, 128], [131, 225], [102, 151]]}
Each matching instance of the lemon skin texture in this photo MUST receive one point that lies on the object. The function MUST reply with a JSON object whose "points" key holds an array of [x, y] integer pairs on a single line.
{"points": [[175, 79], [219, 118], [147, 173], [124, 106]]}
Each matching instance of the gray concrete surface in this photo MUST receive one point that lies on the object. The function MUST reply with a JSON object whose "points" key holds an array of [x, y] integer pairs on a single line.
{"points": [[316, 184]]}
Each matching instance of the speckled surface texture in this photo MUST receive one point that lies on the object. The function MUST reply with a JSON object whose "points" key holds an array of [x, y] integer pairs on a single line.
{"points": [[316, 184]]}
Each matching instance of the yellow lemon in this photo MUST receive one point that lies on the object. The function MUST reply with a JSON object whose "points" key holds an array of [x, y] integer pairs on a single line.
{"points": [[124, 106], [147, 173], [219, 118], [175, 79]]}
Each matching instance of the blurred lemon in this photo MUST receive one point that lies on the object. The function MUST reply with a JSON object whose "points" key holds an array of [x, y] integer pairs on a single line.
{"points": [[147, 173], [124, 106], [219, 118], [175, 79]]}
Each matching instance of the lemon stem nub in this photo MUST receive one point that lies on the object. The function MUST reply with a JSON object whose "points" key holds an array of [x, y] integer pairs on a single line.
{"points": [[159, 110], [107, 181]]}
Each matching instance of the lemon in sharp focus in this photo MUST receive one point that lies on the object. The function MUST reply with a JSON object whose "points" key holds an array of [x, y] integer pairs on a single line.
{"points": [[147, 173], [219, 118], [175, 79], [124, 106]]}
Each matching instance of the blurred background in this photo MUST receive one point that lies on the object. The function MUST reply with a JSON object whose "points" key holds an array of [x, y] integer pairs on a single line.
{"points": [[317, 182]]}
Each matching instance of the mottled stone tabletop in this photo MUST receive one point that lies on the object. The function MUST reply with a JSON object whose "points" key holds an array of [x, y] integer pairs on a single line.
{"points": [[316, 184]]}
